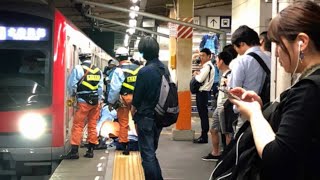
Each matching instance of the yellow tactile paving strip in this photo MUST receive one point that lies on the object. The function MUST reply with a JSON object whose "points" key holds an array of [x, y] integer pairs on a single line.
{"points": [[127, 167]]}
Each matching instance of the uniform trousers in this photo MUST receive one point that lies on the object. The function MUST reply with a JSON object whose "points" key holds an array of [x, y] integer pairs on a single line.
{"points": [[91, 113], [123, 117]]}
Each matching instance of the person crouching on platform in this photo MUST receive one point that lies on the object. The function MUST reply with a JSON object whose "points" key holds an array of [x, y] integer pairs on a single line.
{"points": [[121, 89], [86, 83]]}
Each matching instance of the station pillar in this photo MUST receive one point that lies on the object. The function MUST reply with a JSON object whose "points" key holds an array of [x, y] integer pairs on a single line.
{"points": [[183, 130]]}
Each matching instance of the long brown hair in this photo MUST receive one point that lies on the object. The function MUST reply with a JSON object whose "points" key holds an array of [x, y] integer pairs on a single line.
{"points": [[296, 18]]}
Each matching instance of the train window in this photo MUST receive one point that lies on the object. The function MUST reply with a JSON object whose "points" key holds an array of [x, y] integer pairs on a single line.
{"points": [[25, 56], [32, 65], [97, 61], [24, 77]]}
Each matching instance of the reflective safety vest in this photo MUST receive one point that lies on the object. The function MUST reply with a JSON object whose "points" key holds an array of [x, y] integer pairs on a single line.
{"points": [[91, 78], [130, 73]]}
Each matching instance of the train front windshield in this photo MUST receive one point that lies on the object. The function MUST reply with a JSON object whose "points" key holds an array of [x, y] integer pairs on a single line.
{"points": [[25, 61]]}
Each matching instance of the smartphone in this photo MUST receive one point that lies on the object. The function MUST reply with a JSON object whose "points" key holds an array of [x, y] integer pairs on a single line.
{"points": [[230, 95]]}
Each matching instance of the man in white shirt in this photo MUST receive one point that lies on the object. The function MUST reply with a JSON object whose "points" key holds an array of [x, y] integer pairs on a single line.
{"points": [[219, 125], [205, 76]]}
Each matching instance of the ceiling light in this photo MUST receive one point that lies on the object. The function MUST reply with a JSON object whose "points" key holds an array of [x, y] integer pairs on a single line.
{"points": [[134, 1], [132, 15], [126, 37], [135, 8], [126, 43], [132, 23], [131, 30]]}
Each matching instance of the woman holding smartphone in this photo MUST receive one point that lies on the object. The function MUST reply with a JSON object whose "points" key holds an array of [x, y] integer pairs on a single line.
{"points": [[289, 143]]}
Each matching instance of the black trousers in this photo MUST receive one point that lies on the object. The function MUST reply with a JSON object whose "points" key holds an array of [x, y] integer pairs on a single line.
{"points": [[202, 106]]}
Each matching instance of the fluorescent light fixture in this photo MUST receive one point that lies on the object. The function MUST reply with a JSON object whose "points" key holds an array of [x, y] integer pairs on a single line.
{"points": [[131, 30], [132, 15], [132, 23], [135, 8], [126, 43], [126, 37], [134, 1]]}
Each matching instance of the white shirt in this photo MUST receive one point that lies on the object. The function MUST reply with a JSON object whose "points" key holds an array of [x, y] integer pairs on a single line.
{"points": [[204, 76], [222, 97]]}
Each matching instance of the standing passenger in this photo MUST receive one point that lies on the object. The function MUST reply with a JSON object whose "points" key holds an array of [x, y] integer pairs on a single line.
{"points": [[218, 126], [247, 72], [121, 88], [205, 76], [145, 98], [86, 83]]}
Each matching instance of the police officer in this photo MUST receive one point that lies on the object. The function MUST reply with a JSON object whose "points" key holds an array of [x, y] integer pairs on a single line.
{"points": [[121, 90], [86, 83]]}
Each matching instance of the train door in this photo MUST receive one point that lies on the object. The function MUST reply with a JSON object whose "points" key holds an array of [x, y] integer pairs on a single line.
{"points": [[71, 55]]}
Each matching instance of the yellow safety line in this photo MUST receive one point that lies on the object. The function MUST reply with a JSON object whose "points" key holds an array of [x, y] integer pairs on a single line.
{"points": [[127, 167]]}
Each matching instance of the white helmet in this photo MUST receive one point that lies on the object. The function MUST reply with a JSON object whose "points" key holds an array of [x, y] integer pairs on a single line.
{"points": [[85, 56], [122, 51]]}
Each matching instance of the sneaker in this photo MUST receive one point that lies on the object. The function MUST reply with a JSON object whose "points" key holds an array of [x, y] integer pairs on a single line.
{"points": [[210, 157], [200, 140]]}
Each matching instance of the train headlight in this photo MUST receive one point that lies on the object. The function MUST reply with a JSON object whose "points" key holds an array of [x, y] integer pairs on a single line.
{"points": [[32, 125]]}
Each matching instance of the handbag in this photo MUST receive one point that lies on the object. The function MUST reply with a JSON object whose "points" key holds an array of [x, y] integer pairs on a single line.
{"points": [[195, 85]]}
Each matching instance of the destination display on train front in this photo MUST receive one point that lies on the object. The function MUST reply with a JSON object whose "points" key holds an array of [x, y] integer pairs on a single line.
{"points": [[23, 33]]}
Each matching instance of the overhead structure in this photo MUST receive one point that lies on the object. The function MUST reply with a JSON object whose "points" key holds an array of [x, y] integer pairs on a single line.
{"points": [[126, 25], [161, 18]]}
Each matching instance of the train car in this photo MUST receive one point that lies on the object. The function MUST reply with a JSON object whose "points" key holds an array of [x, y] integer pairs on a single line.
{"points": [[38, 49]]}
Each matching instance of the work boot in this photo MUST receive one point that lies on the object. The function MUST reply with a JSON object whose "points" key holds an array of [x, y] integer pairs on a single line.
{"points": [[89, 153], [126, 150], [72, 154]]}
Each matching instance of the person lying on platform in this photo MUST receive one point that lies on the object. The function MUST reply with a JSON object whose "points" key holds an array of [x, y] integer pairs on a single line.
{"points": [[108, 129]]}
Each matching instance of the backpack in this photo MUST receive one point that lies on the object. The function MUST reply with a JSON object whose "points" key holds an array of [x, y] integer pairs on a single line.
{"points": [[240, 159], [265, 91], [195, 85], [216, 81], [216, 74], [167, 108]]}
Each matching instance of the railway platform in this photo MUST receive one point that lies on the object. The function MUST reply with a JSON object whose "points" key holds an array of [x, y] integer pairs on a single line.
{"points": [[179, 160]]}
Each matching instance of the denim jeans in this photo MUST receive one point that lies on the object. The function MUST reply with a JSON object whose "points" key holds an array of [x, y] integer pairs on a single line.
{"points": [[148, 138]]}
